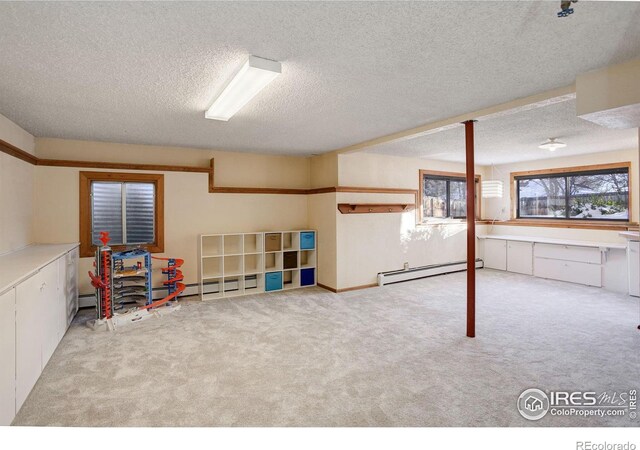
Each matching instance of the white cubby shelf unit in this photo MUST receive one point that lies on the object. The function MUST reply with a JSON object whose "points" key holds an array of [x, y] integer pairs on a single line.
{"points": [[230, 264], [237, 264]]}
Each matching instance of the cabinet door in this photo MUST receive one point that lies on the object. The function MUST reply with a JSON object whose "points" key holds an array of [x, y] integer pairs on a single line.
{"points": [[520, 257], [61, 303], [7, 357], [634, 268], [495, 254], [28, 336], [50, 307], [72, 285]]}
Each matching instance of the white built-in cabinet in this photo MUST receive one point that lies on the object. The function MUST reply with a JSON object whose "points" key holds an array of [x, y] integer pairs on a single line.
{"points": [[633, 259], [7, 356], [38, 301], [520, 257], [495, 254], [576, 262]]}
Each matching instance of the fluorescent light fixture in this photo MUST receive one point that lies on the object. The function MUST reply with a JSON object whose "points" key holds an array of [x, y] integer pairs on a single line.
{"points": [[492, 189], [252, 77], [552, 144]]}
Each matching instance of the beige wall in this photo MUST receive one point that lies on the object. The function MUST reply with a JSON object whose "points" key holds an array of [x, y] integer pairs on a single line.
{"points": [[16, 190], [500, 208], [232, 169], [322, 217], [324, 170], [190, 209], [372, 243]]}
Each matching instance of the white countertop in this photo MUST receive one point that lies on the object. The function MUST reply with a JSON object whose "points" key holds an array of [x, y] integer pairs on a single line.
{"points": [[631, 235], [20, 265], [544, 240]]}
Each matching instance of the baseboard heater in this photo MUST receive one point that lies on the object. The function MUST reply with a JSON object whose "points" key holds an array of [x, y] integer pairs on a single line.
{"points": [[397, 276]]}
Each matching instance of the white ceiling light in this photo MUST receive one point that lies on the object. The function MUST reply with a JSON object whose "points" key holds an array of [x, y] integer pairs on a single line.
{"points": [[252, 77], [492, 189], [552, 144]]}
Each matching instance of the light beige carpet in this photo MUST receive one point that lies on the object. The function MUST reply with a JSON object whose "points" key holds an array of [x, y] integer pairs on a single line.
{"points": [[392, 356]]}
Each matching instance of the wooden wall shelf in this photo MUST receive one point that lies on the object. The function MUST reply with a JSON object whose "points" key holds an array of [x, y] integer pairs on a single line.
{"points": [[374, 208]]}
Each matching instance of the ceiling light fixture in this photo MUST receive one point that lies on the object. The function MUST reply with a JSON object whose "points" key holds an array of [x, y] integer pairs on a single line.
{"points": [[552, 144], [252, 77]]}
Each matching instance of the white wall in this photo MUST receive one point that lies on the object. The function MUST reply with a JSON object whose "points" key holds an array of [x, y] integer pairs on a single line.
{"points": [[371, 243], [16, 190]]}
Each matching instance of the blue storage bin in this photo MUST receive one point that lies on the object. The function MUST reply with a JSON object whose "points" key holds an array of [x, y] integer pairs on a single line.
{"points": [[307, 240], [273, 281], [307, 277]]}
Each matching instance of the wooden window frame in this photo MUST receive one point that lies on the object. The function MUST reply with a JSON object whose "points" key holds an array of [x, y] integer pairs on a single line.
{"points": [[551, 222], [423, 172], [86, 178]]}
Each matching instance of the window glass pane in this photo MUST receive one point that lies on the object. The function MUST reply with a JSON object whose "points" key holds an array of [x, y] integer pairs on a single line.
{"points": [[602, 196], [106, 210], [140, 213], [542, 197], [458, 200], [434, 198]]}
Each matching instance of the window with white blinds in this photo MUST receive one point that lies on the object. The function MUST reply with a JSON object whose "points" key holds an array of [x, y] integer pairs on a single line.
{"points": [[125, 209]]}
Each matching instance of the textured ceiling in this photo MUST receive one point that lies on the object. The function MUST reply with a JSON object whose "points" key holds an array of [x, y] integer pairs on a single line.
{"points": [[515, 137], [145, 72]]}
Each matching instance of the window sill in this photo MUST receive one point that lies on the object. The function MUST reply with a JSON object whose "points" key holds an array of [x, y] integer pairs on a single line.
{"points": [[440, 223], [91, 251], [586, 225]]}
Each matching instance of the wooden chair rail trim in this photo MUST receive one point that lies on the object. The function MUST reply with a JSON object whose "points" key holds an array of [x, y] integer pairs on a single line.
{"points": [[14, 151], [32, 159], [120, 166], [620, 226]]}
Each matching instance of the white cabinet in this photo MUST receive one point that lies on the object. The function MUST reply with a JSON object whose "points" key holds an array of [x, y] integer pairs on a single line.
{"points": [[52, 310], [520, 257], [71, 286], [571, 271], [495, 254], [40, 298], [7, 357], [571, 263], [633, 260], [29, 324]]}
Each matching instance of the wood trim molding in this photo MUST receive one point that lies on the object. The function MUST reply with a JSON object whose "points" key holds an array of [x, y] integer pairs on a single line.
{"points": [[86, 247], [603, 225], [558, 171], [353, 288], [561, 170], [120, 166], [212, 166], [32, 159], [249, 190], [14, 151], [374, 208]]}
